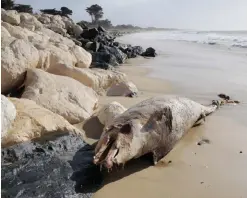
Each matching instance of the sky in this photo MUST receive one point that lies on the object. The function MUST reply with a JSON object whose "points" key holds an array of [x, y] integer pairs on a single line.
{"points": [[182, 14]]}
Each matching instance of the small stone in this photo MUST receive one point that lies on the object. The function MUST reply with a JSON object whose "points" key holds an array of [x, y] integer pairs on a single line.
{"points": [[203, 141], [108, 112], [241, 152], [124, 88], [169, 162], [202, 182]]}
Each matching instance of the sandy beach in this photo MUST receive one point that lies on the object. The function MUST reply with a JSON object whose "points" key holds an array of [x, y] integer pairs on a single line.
{"points": [[70, 68], [216, 169]]}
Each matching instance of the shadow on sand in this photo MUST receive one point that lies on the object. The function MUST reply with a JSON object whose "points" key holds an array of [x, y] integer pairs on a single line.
{"points": [[89, 178], [131, 167]]}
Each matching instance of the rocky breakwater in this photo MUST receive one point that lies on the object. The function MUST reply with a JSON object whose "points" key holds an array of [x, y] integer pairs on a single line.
{"points": [[106, 52], [49, 84]]}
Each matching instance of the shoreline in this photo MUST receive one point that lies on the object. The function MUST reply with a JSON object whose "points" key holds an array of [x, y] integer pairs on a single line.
{"points": [[205, 171], [138, 74], [205, 166]]}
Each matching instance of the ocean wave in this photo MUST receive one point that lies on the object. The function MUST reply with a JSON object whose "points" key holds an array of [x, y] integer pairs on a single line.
{"points": [[229, 39], [240, 45]]}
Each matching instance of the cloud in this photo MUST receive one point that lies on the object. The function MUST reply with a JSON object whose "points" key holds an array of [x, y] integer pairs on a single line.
{"points": [[186, 14]]}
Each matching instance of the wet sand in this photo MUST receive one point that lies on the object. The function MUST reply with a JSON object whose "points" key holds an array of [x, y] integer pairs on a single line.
{"points": [[213, 170]]}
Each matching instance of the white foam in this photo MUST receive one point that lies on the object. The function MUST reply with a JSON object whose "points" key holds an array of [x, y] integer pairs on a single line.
{"points": [[229, 39]]}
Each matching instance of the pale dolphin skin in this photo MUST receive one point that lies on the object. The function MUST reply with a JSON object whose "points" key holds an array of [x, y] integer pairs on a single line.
{"points": [[152, 126]]}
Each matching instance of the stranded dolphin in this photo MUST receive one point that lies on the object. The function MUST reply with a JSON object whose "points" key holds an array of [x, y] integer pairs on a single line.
{"points": [[152, 126]]}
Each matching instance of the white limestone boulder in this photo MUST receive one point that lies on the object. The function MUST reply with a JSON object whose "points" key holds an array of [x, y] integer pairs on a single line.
{"points": [[16, 58], [124, 88], [6, 38], [30, 22], [33, 121], [56, 38], [17, 31], [68, 22], [77, 30], [97, 79], [10, 16], [56, 28], [57, 19], [84, 58], [44, 18], [59, 56], [108, 112], [8, 114], [61, 95]]}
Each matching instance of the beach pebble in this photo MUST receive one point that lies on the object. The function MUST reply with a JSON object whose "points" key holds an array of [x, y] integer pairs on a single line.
{"points": [[108, 112], [150, 52], [203, 141], [127, 89]]}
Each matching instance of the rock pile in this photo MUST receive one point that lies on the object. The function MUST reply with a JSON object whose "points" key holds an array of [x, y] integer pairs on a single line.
{"points": [[55, 168], [53, 71], [105, 51]]}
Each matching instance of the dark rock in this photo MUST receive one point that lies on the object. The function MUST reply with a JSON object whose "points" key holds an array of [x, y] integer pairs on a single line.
{"points": [[137, 50], [203, 141], [212, 43], [123, 47], [70, 31], [241, 152], [132, 95], [105, 50], [104, 57], [116, 44], [83, 41], [83, 25], [108, 37], [76, 42], [111, 44], [104, 38], [133, 52], [90, 34], [224, 96], [55, 168], [101, 65], [150, 52], [116, 34], [93, 46], [120, 56], [101, 29]]}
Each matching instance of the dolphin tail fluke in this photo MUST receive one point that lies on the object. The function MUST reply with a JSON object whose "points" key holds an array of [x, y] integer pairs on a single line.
{"points": [[224, 99]]}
